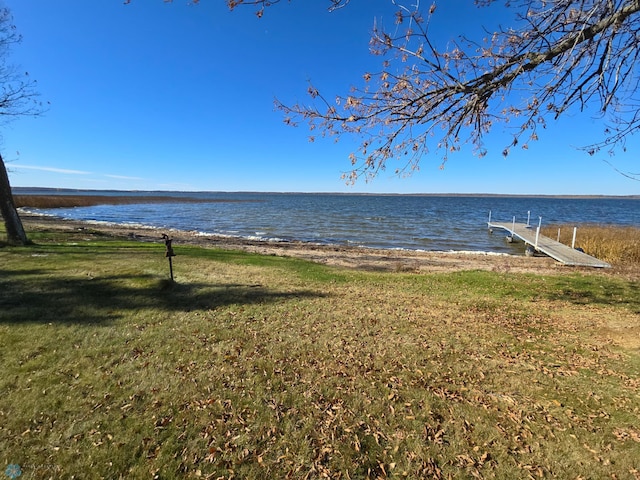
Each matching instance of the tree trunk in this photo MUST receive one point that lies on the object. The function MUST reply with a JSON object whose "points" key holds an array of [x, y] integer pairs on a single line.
{"points": [[12, 222]]}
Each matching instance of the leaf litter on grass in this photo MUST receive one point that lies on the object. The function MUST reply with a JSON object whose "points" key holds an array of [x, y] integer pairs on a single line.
{"points": [[325, 374]]}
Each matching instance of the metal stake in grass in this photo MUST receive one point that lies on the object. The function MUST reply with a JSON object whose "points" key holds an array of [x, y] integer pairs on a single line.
{"points": [[169, 253]]}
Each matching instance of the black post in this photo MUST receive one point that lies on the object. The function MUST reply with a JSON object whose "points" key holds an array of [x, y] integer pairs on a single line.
{"points": [[169, 253]]}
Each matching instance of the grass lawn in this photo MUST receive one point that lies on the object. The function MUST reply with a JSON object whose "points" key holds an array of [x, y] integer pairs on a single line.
{"points": [[254, 366]]}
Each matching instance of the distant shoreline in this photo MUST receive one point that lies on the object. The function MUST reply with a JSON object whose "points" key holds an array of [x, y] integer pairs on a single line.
{"points": [[171, 195], [44, 201]]}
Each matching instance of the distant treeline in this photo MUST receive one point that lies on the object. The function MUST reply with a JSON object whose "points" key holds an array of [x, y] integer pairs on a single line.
{"points": [[67, 201]]}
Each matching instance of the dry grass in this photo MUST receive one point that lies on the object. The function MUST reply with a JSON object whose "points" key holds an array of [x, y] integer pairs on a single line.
{"points": [[613, 244]]}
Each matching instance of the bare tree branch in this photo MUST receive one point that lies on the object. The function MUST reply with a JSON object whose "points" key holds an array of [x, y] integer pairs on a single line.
{"points": [[564, 54], [18, 97], [262, 4]]}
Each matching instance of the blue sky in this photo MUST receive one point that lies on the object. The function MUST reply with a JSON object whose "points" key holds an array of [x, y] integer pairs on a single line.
{"points": [[172, 96]]}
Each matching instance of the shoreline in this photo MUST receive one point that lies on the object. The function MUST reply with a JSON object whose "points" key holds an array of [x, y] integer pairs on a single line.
{"points": [[351, 257]]}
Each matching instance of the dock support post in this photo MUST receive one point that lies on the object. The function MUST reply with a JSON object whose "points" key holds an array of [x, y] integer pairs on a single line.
{"points": [[528, 217], [538, 231], [558, 235], [512, 237], [573, 242]]}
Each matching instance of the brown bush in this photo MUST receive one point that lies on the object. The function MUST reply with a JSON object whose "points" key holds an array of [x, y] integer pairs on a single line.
{"points": [[613, 244]]}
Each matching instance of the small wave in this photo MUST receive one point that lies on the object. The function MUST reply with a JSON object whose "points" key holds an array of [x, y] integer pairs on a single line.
{"points": [[100, 222], [476, 252], [35, 212], [122, 224], [445, 252], [211, 234], [260, 238]]}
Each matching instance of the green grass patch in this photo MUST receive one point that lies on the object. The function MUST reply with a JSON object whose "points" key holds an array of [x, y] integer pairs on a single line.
{"points": [[305, 269], [252, 366]]}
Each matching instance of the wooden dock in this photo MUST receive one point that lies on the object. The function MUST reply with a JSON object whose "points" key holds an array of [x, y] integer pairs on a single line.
{"points": [[556, 250]]}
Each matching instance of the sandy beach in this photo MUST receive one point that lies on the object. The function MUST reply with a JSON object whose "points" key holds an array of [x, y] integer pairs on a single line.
{"points": [[343, 256]]}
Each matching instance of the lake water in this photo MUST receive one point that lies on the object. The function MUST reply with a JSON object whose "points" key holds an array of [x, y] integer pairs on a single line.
{"points": [[416, 222]]}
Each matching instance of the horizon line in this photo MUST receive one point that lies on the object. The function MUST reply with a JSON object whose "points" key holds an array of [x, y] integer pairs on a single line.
{"points": [[426, 194]]}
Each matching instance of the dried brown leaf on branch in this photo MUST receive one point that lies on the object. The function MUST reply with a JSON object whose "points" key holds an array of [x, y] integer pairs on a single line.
{"points": [[559, 56]]}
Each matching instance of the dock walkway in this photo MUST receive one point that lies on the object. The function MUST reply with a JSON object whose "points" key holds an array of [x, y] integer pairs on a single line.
{"points": [[560, 252]]}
